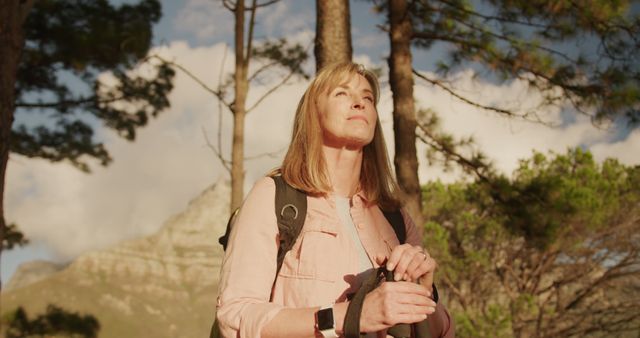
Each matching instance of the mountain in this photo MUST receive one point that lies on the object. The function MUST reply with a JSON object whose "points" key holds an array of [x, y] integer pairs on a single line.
{"points": [[31, 272], [163, 285]]}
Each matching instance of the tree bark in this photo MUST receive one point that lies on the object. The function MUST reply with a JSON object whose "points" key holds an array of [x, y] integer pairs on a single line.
{"points": [[12, 17], [239, 111], [333, 32], [404, 116]]}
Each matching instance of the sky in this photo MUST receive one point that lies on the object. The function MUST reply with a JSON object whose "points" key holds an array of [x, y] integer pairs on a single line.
{"points": [[65, 212]]}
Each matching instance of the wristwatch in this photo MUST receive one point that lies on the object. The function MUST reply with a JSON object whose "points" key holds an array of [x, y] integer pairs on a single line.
{"points": [[325, 323]]}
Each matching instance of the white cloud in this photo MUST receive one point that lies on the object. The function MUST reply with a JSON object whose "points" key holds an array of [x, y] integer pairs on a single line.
{"points": [[149, 180], [209, 20], [626, 151], [170, 163], [507, 140], [284, 19], [379, 40]]}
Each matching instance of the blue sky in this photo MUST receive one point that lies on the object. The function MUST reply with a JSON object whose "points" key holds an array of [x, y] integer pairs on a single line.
{"points": [[65, 212]]}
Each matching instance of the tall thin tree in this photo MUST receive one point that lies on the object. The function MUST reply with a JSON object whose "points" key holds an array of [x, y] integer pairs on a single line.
{"points": [[277, 54], [241, 89]]}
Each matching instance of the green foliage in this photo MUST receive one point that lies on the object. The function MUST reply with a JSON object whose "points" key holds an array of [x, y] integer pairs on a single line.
{"points": [[278, 59], [448, 151], [55, 321], [571, 194], [12, 237], [580, 52], [545, 252], [69, 44], [290, 57]]}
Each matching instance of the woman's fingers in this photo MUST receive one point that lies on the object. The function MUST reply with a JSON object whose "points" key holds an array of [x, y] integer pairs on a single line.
{"points": [[410, 263], [407, 289], [395, 302], [399, 260], [381, 259], [418, 265], [426, 278]]}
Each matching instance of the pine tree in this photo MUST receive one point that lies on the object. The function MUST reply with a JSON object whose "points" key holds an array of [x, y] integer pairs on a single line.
{"points": [[52, 54], [577, 54], [552, 251], [333, 32]]}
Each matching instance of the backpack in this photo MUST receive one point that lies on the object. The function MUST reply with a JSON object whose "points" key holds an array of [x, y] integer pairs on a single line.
{"points": [[291, 211]]}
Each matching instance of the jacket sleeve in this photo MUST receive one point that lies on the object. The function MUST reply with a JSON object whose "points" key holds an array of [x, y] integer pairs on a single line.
{"points": [[440, 322], [249, 266]]}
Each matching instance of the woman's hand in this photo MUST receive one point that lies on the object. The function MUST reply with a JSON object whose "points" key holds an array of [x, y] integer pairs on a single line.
{"points": [[395, 302], [411, 263]]}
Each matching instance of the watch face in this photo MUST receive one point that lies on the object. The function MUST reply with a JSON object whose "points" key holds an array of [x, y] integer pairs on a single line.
{"points": [[325, 319]]}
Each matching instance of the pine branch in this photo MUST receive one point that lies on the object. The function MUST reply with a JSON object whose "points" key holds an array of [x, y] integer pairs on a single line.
{"points": [[224, 59], [68, 103], [272, 154], [528, 116], [228, 4], [433, 142], [609, 274], [225, 163], [252, 22], [262, 69], [491, 17], [292, 71], [460, 97], [513, 41], [271, 90], [204, 86], [264, 4]]}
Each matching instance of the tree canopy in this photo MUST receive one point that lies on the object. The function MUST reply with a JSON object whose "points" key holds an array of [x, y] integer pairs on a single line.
{"points": [[67, 68], [579, 56], [55, 321], [584, 53], [553, 251], [61, 96]]}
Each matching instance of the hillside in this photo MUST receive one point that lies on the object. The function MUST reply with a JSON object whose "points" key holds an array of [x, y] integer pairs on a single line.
{"points": [[163, 285]]}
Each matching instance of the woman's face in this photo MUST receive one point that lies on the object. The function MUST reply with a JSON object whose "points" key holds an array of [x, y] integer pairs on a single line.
{"points": [[347, 114]]}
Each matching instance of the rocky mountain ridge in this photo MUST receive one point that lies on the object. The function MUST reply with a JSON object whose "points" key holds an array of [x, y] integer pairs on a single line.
{"points": [[32, 272], [163, 285]]}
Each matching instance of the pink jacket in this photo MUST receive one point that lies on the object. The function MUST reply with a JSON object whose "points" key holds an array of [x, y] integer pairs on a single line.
{"points": [[317, 271]]}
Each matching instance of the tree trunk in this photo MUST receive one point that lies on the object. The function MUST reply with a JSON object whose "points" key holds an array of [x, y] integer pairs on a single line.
{"points": [[404, 117], [333, 32], [12, 16], [239, 111]]}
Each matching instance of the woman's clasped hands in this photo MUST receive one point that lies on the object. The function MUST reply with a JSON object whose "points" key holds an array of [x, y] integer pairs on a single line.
{"points": [[409, 298]]}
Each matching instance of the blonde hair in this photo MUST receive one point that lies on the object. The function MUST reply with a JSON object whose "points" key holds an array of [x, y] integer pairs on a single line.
{"points": [[304, 165]]}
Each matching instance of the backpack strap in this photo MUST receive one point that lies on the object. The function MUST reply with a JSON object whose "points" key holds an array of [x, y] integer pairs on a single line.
{"points": [[224, 239], [291, 211], [397, 223], [351, 326], [354, 309]]}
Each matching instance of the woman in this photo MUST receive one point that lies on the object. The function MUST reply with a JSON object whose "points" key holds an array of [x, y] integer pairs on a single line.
{"points": [[338, 157]]}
